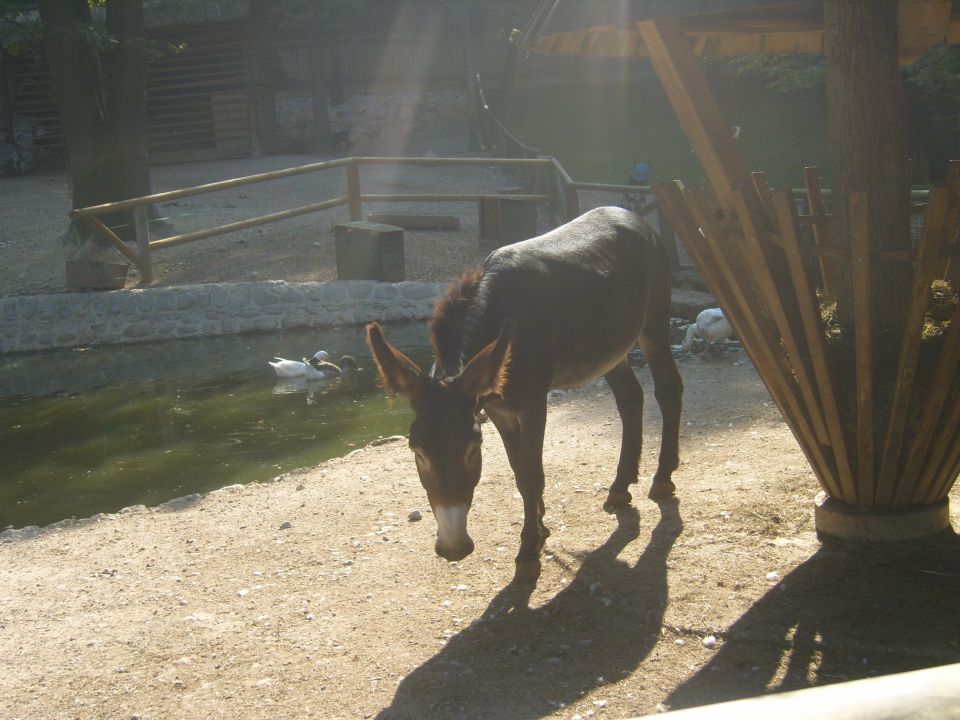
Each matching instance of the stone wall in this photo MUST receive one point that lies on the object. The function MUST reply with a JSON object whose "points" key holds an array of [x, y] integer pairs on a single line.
{"points": [[43, 322]]}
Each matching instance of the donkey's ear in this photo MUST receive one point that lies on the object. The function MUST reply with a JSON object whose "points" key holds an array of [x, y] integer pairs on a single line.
{"points": [[486, 373], [399, 375]]}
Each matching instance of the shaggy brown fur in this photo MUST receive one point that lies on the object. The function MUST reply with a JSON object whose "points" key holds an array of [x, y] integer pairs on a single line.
{"points": [[446, 325]]}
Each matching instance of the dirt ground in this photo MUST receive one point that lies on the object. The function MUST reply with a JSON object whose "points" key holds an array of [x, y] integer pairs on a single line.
{"points": [[317, 595]]}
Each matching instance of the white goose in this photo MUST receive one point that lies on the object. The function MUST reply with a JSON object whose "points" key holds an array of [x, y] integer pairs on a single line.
{"points": [[711, 326], [322, 369], [295, 368]]}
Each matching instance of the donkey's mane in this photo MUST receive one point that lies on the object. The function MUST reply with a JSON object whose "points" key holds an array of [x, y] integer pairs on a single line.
{"points": [[450, 314]]}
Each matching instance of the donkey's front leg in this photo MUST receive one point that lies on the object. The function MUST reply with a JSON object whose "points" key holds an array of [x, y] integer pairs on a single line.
{"points": [[523, 440]]}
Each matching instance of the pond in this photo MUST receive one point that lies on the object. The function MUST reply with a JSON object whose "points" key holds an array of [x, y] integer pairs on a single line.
{"points": [[96, 430]]}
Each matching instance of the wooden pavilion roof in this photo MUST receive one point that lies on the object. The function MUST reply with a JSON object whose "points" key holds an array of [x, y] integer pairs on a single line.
{"points": [[721, 28]]}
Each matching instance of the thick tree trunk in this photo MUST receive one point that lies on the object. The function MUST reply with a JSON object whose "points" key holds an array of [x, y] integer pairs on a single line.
{"points": [[867, 125], [101, 101]]}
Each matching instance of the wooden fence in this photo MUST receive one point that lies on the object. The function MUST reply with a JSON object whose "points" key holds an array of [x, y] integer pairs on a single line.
{"points": [[551, 184]]}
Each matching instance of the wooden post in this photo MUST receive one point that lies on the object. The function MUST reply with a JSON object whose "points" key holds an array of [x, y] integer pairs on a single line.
{"points": [[353, 191], [861, 273], [142, 228], [686, 87]]}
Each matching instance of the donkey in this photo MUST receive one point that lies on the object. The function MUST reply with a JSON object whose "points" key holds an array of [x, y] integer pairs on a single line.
{"points": [[554, 311]]}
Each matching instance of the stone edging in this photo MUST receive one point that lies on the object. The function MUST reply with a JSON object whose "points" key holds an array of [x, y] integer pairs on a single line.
{"points": [[44, 322]]}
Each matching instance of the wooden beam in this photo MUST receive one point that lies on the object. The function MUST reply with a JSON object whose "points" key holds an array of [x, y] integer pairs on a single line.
{"points": [[910, 345], [686, 87]]}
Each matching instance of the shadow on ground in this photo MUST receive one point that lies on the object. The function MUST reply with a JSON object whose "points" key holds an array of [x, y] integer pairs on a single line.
{"points": [[844, 614], [596, 630]]}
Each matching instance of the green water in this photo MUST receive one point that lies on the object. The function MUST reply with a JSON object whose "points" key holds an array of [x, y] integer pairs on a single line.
{"points": [[83, 432]]}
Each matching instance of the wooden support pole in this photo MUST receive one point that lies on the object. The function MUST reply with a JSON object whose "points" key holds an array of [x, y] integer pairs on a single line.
{"points": [[112, 238], [353, 191], [142, 229], [686, 86], [809, 308], [861, 272], [910, 345]]}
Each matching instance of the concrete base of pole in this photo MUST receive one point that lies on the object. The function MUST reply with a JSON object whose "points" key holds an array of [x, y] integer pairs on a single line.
{"points": [[837, 520]]}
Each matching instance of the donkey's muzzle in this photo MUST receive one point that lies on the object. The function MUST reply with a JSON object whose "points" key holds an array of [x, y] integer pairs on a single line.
{"points": [[454, 552]]}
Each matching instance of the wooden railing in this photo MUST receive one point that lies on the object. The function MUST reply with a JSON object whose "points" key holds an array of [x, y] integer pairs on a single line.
{"points": [[561, 196]]}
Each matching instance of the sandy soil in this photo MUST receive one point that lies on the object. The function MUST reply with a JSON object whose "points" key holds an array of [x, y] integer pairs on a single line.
{"points": [[316, 596]]}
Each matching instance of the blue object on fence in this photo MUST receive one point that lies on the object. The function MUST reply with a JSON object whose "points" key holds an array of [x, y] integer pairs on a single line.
{"points": [[640, 174]]}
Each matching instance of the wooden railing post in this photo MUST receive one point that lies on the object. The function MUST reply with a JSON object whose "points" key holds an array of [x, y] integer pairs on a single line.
{"points": [[142, 228], [353, 191]]}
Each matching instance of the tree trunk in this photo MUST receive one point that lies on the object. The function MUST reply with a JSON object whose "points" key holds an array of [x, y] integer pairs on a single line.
{"points": [[263, 22], [101, 104], [867, 127]]}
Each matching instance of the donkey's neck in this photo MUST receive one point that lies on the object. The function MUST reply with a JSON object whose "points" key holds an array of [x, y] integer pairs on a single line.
{"points": [[457, 323]]}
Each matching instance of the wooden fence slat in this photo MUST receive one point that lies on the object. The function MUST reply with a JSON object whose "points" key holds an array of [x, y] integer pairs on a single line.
{"points": [[861, 273], [790, 334], [243, 224], [923, 446], [951, 272], [910, 345], [809, 308], [757, 332], [829, 273]]}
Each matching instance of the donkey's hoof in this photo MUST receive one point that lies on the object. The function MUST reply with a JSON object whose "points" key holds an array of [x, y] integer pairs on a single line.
{"points": [[527, 571], [617, 499], [662, 490]]}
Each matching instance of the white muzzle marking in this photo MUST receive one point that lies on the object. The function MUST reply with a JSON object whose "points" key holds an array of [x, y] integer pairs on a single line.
{"points": [[452, 525]]}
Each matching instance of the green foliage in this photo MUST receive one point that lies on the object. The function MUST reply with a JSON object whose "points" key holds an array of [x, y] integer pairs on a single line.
{"points": [[784, 73], [937, 76], [19, 30]]}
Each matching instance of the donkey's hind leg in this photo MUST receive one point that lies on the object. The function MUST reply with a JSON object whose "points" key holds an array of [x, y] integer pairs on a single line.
{"points": [[668, 389], [629, 396]]}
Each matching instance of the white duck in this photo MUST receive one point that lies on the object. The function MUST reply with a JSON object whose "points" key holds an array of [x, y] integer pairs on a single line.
{"points": [[321, 369], [711, 326], [295, 368]]}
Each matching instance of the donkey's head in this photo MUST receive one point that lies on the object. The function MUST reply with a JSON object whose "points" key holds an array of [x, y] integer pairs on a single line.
{"points": [[445, 434]]}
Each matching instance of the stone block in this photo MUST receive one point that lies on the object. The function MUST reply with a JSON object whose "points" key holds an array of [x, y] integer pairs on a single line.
{"points": [[369, 251]]}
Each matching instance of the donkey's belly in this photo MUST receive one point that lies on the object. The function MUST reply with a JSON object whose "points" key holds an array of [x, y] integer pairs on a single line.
{"points": [[591, 363]]}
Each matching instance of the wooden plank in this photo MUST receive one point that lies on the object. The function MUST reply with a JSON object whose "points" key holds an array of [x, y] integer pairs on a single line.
{"points": [[142, 229], [791, 332], [687, 89], [925, 451], [809, 308], [762, 187], [910, 345], [209, 187], [411, 221], [951, 272], [119, 244], [758, 336], [861, 274], [829, 272], [244, 224], [448, 197]]}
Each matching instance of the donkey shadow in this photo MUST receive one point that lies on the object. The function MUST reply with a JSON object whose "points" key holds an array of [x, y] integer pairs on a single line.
{"points": [[598, 629], [846, 613]]}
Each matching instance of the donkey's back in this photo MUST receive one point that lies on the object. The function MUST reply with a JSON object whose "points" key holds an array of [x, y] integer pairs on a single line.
{"points": [[582, 295]]}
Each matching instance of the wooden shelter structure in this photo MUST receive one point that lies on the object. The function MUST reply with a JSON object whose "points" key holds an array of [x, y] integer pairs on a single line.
{"points": [[854, 328]]}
